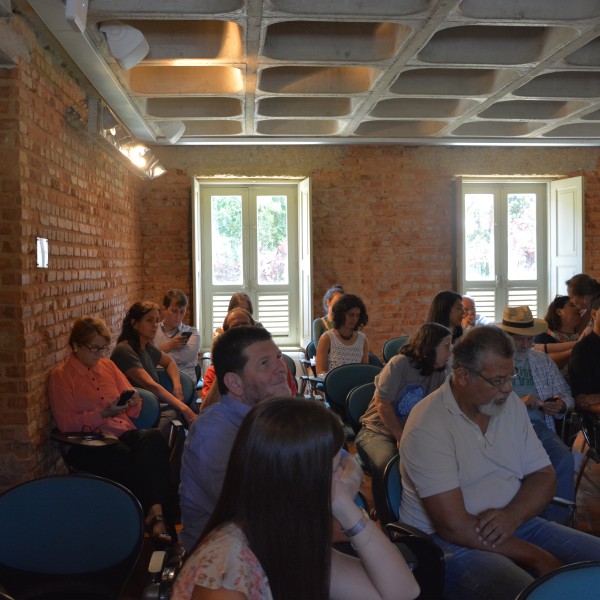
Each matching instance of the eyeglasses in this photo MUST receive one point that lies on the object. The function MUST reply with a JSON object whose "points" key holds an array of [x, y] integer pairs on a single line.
{"points": [[496, 382], [97, 349]]}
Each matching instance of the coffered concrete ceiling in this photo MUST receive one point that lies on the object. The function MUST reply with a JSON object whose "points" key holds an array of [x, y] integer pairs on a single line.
{"points": [[348, 71]]}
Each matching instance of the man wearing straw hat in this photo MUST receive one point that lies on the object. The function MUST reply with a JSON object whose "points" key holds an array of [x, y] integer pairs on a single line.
{"points": [[547, 396]]}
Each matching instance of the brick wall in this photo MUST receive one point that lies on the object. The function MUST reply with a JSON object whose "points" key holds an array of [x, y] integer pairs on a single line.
{"points": [[382, 225], [56, 183], [166, 227], [382, 216]]}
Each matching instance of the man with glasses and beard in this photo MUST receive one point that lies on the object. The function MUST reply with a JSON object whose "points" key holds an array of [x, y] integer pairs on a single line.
{"points": [[475, 476]]}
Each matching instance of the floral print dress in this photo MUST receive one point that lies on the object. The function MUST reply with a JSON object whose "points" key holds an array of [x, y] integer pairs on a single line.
{"points": [[224, 560]]}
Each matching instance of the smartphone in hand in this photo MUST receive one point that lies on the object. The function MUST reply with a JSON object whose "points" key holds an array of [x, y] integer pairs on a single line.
{"points": [[553, 399], [186, 335], [124, 397]]}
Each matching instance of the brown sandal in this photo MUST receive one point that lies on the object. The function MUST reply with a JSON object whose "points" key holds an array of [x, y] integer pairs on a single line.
{"points": [[160, 538]]}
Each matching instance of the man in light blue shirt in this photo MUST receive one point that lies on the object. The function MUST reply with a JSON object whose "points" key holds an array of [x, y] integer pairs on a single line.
{"points": [[249, 369], [546, 394]]}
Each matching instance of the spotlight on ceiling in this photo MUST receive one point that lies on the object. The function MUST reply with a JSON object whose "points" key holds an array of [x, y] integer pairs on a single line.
{"points": [[105, 128], [127, 44], [171, 130]]}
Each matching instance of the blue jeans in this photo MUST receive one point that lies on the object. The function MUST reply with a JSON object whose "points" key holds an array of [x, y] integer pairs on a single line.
{"points": [[562, 461], [480, 575], [376, 450]]}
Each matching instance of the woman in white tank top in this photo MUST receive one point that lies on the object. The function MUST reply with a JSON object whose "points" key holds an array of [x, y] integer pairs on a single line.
{"points": [[344, 344]]}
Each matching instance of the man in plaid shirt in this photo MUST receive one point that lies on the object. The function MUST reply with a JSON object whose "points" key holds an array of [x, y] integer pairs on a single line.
{"points": [[547, 395]]}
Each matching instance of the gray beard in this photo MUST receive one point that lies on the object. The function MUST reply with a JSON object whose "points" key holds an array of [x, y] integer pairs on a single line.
{"points": [[492, 409]]}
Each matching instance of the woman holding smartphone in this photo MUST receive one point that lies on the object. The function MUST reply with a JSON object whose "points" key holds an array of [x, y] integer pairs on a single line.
{"points": [[88, 393], [137, 357]]}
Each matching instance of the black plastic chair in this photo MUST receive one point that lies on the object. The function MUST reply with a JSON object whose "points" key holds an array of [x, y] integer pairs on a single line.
{"points": [[189, 389], [291, 363], [375, 360], [430, 559], [150, 413], [339, 381], [579, 580], [69, 537], [357, 402], [392, 346], [311, 352]]}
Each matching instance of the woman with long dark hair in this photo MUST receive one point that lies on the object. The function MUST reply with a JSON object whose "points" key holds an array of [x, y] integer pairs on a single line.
{"points": [[447, 309], [564, 326], [344, 343], [138, 357], [270, 535], [407, 378]]}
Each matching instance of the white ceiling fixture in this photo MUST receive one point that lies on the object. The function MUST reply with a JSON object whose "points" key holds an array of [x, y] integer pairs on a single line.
{"points": [[127, 44], [171, 130]]}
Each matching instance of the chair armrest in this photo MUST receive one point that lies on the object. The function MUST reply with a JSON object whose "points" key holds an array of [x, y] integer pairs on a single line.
{"points": [[397, 528], [162, 571], [424, 557]]}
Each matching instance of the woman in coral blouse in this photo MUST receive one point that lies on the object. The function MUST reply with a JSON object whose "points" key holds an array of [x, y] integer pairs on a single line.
{"points": [[83, 395]]}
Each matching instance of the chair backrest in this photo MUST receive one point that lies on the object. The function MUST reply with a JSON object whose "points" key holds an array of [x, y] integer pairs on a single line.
{"points": [[69, 535], [150, 413], [392, 346], [579, 580], [375, 360], [357, 402], [291, 364], [189, 389], [311, 350], [392, 492], [339, 381]]}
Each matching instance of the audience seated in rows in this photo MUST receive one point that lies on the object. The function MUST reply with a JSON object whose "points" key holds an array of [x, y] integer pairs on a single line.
{"points": [[447, 309], [270, 534], [344, 343], [137, 356], [83, 394], [406, 379], [249, 368], [584, 371], [325, 323], [547, 396], [180, 341], [475, 476]]}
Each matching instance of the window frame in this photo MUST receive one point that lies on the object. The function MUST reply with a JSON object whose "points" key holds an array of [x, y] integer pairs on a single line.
{"points": [[299, 263]]}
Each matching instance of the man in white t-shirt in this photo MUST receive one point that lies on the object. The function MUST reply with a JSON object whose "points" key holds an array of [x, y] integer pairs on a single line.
{"points": [[475, 476]]}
